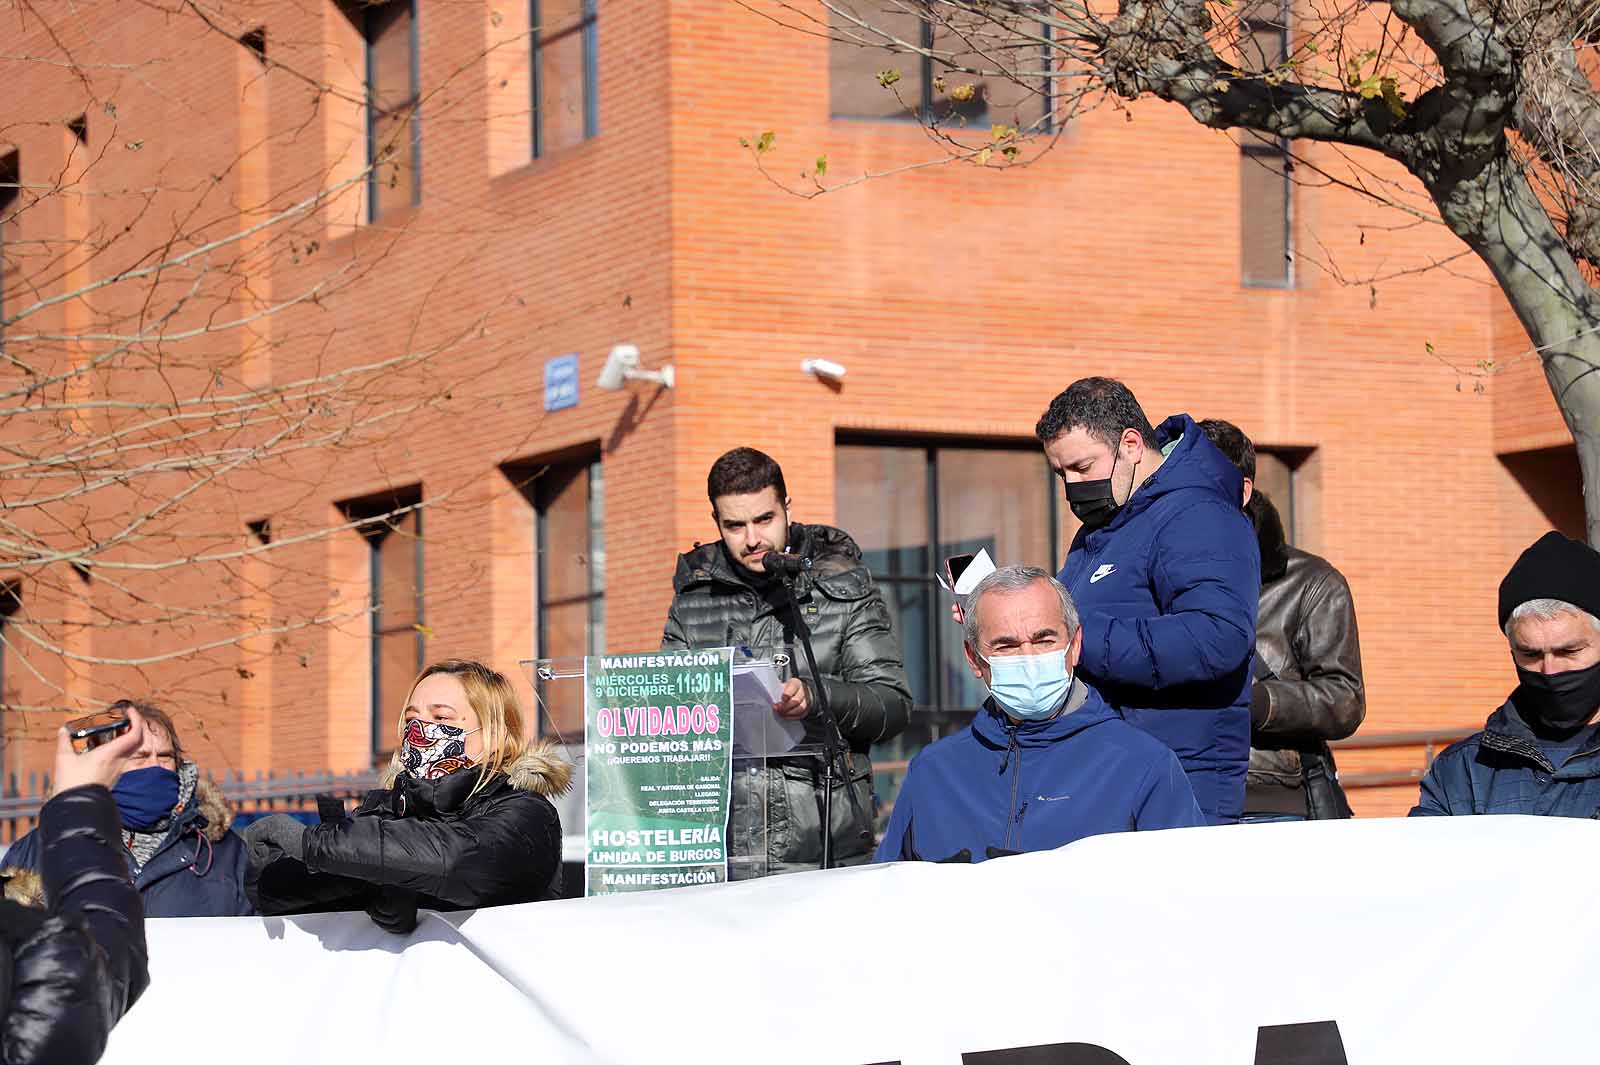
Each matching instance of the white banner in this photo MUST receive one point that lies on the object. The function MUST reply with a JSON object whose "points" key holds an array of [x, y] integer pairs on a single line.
{"points": [[1432, 940]]}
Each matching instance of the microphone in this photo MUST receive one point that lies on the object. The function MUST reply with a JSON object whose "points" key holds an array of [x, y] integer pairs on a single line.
{"points": [[784, 565]]}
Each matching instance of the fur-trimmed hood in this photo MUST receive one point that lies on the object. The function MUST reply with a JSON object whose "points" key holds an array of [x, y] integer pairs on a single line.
{"points": [[214, 807], [22, 885], [540, 768]]}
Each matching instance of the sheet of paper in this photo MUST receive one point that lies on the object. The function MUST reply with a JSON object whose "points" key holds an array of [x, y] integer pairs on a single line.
{"points": [[979, 568], [756, 728]]}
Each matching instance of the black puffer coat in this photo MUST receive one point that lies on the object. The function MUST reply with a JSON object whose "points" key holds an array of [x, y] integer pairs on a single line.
{"points": [[69, 973], [721, 604], [432, 844], [1308, 687]]}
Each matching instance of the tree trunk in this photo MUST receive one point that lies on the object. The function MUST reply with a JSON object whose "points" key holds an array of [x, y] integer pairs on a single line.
{"points": [[1496, 213]]}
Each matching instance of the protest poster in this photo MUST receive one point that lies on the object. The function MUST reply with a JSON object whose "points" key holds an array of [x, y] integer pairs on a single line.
{"points": [[658, 736]]}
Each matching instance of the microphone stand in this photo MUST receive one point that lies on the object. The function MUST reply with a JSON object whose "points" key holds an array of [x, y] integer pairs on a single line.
{"points": [[830, 736]]}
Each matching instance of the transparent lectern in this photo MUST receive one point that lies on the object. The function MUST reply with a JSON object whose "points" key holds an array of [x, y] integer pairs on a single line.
{"points": [[764, 747]]}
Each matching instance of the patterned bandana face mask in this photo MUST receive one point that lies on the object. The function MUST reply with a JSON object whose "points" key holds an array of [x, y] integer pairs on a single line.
{"points": [[431, 750]]}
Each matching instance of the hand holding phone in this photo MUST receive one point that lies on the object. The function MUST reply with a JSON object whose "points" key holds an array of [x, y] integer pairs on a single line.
{"points": [[87, 733], [101, 764], [955, 566]]}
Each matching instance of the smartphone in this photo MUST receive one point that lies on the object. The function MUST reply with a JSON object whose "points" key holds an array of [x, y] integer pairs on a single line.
{"points": [[955, 566], [87, 733]]}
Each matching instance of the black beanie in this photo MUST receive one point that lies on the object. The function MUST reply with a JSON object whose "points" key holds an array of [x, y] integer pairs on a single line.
{"points": [[1555, 567]]}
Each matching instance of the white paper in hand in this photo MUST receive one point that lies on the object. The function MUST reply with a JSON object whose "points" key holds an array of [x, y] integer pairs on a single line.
{"points": [[979, 568], [757, 729]]}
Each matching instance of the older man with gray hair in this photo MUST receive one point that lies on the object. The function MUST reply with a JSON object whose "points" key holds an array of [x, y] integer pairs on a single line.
{"points": [[1046, 761], [1540, 752]]}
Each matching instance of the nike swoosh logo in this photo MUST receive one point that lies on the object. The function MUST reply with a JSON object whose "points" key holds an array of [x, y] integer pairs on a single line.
{"points": [[1104, 571]]}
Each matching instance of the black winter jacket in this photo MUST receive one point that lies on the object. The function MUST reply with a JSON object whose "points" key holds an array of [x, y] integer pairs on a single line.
{"points": [[1308, 687], [69, 973], [428, 843], [720, 604], [198, 871]]}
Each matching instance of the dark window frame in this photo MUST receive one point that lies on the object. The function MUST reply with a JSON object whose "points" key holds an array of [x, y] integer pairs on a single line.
{"points": [[1257, 148], [414, 101], [376, 516], [588, 25], [10, 203], [529, 478], [381, 715], [931, 445], [10, 604], [931, 69], [1294, 460]]}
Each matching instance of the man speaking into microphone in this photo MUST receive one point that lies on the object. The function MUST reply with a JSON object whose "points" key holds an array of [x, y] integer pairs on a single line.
{"points": [[736, 591]]}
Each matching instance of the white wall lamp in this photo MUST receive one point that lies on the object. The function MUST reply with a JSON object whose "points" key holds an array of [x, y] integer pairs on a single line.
{"points": [[622, 365], [826, 369]]}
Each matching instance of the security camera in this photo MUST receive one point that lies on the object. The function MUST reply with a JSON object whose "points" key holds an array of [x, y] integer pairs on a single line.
{"points": [[622, 365], [825, 368]]}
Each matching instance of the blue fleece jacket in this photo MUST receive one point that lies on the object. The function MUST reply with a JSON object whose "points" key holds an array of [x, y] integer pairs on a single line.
{"points": [[1167, 591], [1035, 785]]}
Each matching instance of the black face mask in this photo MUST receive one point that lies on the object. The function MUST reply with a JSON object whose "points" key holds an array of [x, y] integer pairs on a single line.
{"points": [[1559, 701], [1092, 502]]}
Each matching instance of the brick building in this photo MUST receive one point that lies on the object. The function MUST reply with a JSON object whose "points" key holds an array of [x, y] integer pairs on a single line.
{"points": [[559, 177]]}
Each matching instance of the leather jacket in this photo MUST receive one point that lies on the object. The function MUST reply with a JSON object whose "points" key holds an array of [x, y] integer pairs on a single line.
{"points": [[1308, 687], [719, 604]]}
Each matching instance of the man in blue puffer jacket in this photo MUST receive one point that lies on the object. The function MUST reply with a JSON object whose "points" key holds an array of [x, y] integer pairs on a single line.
{"points": [[1166, 574], [1046, 761]]}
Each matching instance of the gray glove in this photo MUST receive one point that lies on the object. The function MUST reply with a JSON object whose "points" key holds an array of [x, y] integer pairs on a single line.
{"points": [[277, 831]]}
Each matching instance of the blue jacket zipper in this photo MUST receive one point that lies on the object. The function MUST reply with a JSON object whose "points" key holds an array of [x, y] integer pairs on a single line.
{"points": [[1013, 815]]}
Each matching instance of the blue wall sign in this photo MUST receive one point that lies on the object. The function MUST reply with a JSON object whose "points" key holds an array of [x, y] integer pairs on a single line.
{"points": [[561, 382]]}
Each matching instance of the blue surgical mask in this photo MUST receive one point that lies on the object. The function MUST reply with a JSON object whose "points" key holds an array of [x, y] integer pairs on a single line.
{"points": [[1029, 687], [145, 796]]}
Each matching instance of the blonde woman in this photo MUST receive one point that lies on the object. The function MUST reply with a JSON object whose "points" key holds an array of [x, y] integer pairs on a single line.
{"points": [[465, 819]]}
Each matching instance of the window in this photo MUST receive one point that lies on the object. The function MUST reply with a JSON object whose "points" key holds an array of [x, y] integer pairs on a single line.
{"points": [[1552, 481], [392, 528], [1276, 471], [566, 67], [10, 603], [569, 500], [874, 39], [394, 133], [255, 42], [911, 506], [1266, 246], [10, 209]]}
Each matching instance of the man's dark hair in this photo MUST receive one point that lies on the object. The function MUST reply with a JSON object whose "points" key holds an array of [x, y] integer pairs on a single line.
{"points": [[153, 715], [1102, 405], [1233, 444], [744, 471]]}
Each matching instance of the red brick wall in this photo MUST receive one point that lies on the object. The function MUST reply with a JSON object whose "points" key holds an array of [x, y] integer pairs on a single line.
{"points": [[960, 299]]}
